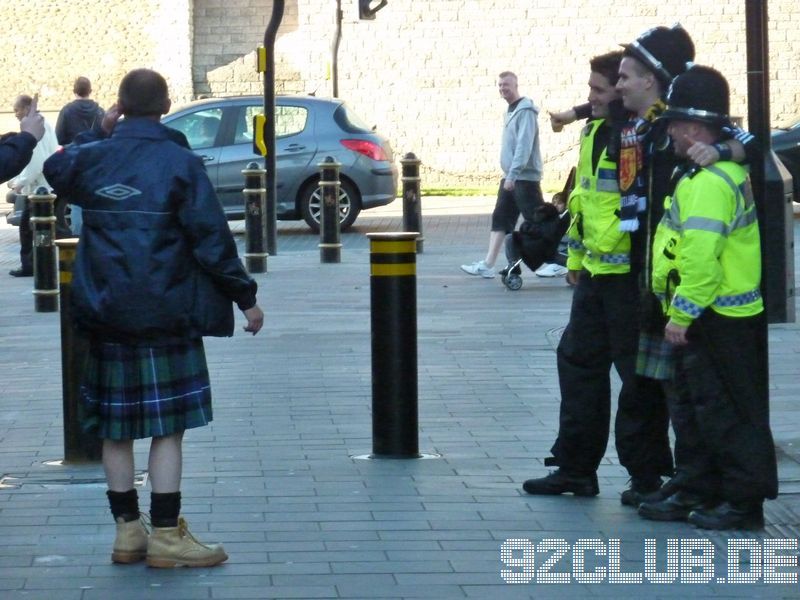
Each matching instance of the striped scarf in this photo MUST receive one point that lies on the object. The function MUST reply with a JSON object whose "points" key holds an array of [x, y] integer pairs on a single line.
{"points": [[632, 174]]}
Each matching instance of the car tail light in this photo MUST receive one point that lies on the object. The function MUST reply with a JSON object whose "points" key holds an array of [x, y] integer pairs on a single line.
{"points": [[365, 147]]}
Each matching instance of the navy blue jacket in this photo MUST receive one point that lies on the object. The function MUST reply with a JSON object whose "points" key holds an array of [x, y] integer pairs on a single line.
{"points": [[156, 259], [15, 154]]}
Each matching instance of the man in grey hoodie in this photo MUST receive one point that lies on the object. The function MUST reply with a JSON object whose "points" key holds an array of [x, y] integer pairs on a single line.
{"points": [[521, 162]]}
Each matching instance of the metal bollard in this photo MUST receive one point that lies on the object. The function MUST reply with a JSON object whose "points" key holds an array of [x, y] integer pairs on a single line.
{"points": [[255, 224], [412, 197], [330, 246], [78, 445], [45, 274], [393, 297]]}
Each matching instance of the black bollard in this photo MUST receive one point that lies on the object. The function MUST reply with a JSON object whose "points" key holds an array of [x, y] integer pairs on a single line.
{"points": [[45, 274], [412, 197], [79, 446], [393, 297], [330, 245], [255, 223]]}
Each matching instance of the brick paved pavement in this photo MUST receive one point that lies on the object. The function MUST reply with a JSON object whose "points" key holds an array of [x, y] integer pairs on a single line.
{"points": [[274, 476]]}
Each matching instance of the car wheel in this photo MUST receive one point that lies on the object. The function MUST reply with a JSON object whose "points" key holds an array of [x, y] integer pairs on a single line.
{"points": [[311, 201]]}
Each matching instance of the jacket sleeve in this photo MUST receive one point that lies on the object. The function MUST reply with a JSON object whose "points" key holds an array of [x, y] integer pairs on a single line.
{"points": [[704, 215], [59, 170], [526, 132], [575, 248], [15, 153], [212, 242]]}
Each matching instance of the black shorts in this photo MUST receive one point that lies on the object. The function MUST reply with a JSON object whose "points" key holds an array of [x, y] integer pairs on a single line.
{"points": [[525, 197]]}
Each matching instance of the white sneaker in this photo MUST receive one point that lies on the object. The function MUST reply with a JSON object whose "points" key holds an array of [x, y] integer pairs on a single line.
{"points": [[479, 268], [551, 270]]}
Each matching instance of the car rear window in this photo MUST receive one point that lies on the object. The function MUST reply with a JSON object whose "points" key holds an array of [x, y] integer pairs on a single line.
{"points": [[349, 121]]}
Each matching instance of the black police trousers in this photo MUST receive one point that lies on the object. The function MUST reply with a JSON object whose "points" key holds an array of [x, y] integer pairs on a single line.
{"points": [[603, 330], [721, 392]]}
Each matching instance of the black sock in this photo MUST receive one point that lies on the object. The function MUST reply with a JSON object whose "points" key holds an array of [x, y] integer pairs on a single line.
{"points": [[124, 505], [164, 509]]}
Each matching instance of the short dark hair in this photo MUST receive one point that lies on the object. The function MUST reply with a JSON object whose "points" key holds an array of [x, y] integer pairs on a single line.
{"points": [[143, 93], [607, 65], [82, 87], [24, 101]]}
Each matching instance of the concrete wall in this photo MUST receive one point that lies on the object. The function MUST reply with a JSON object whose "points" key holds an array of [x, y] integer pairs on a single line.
{"points": [[423, 72]]}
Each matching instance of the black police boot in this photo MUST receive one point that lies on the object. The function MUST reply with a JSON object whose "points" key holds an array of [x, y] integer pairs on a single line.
{"points": [[675, 508], [21, 272], [641, 489], [729, 516], [562, 482]]}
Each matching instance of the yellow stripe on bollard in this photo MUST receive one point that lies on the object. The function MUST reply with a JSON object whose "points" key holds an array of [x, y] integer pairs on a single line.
{"points": [[393, 246], [382, 270]]}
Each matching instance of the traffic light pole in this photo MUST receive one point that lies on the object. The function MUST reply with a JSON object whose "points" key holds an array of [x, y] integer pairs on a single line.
{"points": [[269, 125], [335, 50], [771, 182]]}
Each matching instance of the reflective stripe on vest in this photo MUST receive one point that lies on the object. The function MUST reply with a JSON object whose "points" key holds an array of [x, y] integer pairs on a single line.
{"points": [[744, 215], [615, 259]]}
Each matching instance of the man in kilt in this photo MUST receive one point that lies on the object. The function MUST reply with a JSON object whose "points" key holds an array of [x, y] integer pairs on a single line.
{"points": [[156, 270]]}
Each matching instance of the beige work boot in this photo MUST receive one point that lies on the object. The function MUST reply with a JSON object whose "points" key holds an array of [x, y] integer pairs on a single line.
{"points": [[130, 545], [175, 547]]}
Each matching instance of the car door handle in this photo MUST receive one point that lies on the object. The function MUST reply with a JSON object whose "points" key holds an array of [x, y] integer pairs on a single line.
{"points": [[295, 147], [206, 158]]}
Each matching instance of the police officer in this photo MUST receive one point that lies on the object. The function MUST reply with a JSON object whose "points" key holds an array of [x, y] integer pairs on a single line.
{"points": [[600, 331], [707, 271]]}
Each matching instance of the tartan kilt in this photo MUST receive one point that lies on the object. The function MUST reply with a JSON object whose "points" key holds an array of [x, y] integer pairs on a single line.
{"points": [[134, 391]]}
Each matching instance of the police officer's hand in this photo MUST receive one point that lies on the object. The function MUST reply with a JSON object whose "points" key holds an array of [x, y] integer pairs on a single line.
{"points": [[255, 319], [573, 277], [559, 119], [33, 122], [675, 334]]}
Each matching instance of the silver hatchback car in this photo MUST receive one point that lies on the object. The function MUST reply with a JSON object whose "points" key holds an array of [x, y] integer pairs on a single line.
{"points": [[307, 129]]}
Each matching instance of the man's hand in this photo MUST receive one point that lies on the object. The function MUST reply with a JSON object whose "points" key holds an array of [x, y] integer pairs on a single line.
{"points": [[33, 122], [110, 119], [508, 185], [701, 153], [559, 119], [255, 319], [675, 334]]}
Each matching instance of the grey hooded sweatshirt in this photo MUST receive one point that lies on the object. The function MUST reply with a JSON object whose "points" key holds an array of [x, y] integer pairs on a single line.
{"points": [[520, 157]]}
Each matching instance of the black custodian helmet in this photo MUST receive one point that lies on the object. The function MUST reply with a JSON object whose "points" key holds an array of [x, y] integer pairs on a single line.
{"points": [[700, 94], [666, 51]]}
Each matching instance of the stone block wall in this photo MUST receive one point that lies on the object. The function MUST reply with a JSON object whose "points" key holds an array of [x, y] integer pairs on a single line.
{"points": [[425, 73], [48, 43]]}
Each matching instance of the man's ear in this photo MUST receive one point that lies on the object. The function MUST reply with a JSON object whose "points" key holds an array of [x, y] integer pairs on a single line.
{"points": [[167, 106]]}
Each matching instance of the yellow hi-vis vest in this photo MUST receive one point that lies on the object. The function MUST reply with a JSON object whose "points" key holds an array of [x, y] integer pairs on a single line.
{"points": [[595, 241], [707, 249]]}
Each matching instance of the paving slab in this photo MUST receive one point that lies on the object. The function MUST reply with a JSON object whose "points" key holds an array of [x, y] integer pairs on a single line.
{"points": [[276, 475]]}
